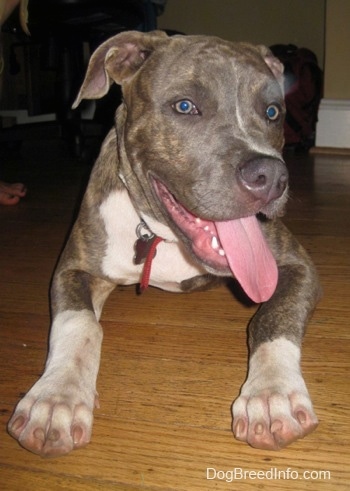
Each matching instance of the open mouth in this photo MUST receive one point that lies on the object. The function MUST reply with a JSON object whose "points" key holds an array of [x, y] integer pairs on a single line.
{"points": [[234, 247]]}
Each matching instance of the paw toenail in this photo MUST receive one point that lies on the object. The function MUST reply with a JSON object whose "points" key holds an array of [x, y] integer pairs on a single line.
{"points": [[239, 428], [276, 426], [17, 424], [77, 434], [39, 434], [54, 436], [259, 429], [301, 416], [97, 402]]}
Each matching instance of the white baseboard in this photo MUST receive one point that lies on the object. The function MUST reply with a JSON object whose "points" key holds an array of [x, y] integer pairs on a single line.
{"points": [[333, 127]]}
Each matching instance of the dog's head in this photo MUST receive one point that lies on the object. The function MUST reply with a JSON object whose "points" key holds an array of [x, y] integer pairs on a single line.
{"points": [[200, 133]]}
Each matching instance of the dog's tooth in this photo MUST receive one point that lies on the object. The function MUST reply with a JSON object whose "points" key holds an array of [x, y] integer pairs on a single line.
{"points": [[222, 252], [214, 242], [206, 228], [198, 220]]}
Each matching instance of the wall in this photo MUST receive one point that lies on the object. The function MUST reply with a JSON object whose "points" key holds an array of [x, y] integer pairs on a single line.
{"points": [[337, 74], [333, 128], [300, 22]]}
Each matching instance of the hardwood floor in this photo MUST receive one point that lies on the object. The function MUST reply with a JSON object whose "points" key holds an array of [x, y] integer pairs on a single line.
{"points": [[172, 364]]}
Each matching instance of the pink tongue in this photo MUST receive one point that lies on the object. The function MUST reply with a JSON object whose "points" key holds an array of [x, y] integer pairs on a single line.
{"points": [[249, 257]]}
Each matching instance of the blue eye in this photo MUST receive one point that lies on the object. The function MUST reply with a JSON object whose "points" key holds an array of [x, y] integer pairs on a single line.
{"points": [[185, 107], [272, 112]]}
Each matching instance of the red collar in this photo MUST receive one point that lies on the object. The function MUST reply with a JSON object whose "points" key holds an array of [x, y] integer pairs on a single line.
{"points": [[145, 251]]}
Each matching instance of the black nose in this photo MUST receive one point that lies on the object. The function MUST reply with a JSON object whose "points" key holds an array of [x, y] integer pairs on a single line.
{"points": [[266, 178]]}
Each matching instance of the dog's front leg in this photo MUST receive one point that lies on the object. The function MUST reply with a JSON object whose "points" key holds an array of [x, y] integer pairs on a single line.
{"points": [[274, 407], [56, 415]]}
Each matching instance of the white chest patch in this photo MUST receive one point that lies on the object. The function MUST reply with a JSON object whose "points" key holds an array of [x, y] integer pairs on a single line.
{"points": [[171, 264]]}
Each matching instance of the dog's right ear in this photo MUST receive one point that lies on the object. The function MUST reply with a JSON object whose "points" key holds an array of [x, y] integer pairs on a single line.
{"points": [[117, 59]]}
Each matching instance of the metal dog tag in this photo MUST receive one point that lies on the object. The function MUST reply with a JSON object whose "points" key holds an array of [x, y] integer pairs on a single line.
{"points": [[143, 243], [142, 248]]}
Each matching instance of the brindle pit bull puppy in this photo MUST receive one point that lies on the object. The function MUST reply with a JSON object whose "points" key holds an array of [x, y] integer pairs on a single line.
{"points": [[194, 167]]}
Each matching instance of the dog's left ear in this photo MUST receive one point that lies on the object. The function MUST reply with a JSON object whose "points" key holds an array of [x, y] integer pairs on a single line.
{"points": [[117, 59], [276, 67]]}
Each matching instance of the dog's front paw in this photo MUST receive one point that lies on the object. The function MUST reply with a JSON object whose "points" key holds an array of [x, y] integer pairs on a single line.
{"points": [[274, 407], [272, 420], [51, 422]]}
